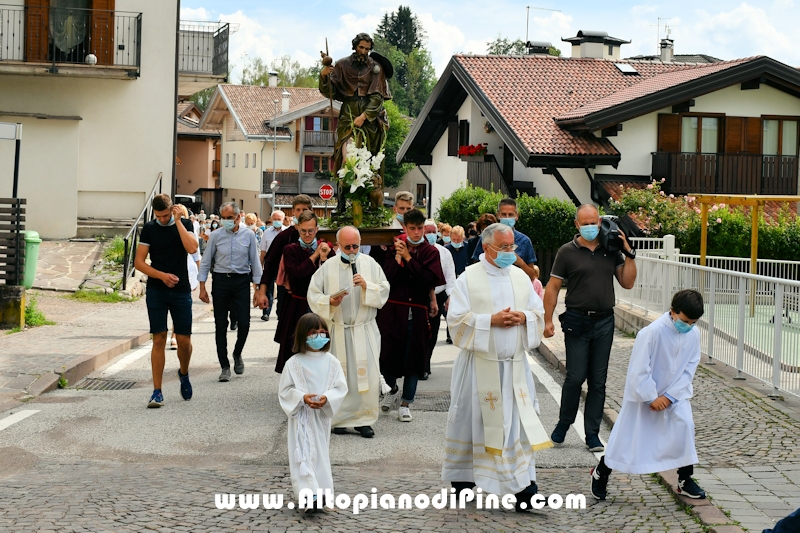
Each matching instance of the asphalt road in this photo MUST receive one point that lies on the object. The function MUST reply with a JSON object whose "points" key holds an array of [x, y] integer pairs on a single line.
{"points": [[91, 460]]}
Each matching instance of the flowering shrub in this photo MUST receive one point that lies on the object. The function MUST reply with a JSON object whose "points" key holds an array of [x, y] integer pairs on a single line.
{"points": [[729, 227], [358, 169], [472, 150]]}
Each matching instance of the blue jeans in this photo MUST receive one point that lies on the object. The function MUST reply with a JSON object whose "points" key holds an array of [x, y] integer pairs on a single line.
{"points": [[409, 382], [587, 360], [790, 524]]}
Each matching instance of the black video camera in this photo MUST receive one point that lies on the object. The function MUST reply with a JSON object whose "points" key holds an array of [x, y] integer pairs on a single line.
{"points": [[610, 233]]}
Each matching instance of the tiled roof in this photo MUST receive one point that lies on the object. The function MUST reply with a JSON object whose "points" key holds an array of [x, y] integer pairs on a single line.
{"points": [[650, 85], [529, 91], [183, 105], [680, 58], [253, 104], [286, 199], [187, 126]]}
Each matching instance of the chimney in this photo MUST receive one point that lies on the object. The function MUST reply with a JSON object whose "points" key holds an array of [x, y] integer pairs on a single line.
{"points": [[595, 44], [666, 50], [538, 48], [273, 79], [285, 101]]}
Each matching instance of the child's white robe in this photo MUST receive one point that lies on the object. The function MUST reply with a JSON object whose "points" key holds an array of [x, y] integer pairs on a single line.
{"points": [[643, 441], [310, 429]]}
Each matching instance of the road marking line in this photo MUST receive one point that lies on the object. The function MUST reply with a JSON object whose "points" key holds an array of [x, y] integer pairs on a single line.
{"points": [[16, 417], [128, 359], [555, 391]]}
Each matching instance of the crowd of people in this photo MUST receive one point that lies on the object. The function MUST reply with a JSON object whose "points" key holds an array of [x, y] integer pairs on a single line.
{"points": [[354, 321]]}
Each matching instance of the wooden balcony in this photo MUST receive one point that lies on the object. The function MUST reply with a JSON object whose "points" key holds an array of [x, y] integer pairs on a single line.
{"points": [[319, 140], [726, 173]]}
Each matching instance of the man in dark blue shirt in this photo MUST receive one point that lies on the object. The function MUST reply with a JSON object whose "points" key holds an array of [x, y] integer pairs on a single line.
{"points": [[168, 239], [526, 257]]}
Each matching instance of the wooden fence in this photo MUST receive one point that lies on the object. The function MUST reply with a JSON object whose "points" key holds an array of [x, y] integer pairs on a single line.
{"points": [[12, 240]]}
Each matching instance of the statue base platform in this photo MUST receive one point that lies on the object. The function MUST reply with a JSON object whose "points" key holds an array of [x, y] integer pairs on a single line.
{"points": [[369, 236]]}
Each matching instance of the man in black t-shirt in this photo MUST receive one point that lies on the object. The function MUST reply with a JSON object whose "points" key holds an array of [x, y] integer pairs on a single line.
{"points": [[168, 239], [588, 322]]}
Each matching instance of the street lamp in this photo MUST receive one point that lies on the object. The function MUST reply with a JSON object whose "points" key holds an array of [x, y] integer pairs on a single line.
{"points": [[274, 186]]}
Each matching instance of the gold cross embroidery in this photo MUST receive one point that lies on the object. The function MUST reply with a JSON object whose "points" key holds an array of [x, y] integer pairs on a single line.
{"points": [[491, 399], [523, 396]]}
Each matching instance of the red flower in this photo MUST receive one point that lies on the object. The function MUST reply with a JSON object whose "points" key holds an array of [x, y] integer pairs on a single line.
{"points": [[472, 150]]}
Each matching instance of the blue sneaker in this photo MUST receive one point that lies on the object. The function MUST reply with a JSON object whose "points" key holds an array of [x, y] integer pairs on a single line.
{"points": [[156, 400], [594, 444], [560, 433], [186, 387]]}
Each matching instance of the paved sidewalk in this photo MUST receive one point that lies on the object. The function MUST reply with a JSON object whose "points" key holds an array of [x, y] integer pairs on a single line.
{"points": [[64, 265], [747, 443]]}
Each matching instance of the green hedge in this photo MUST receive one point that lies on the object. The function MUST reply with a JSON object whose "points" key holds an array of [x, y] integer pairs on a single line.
{"points": [[548, 222]]}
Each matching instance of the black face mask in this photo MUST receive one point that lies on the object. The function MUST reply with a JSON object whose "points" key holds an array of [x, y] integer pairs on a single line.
{"points": [[472, 233]]}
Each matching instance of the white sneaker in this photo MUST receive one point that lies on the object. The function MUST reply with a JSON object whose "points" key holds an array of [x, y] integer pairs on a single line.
{"points": [[173, 343], [404, 414], [389, 399]]}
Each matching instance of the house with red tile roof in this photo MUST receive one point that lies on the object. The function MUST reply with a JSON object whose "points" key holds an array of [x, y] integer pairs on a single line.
{"points": [[287, 132], [197, 165], [563, 127]]}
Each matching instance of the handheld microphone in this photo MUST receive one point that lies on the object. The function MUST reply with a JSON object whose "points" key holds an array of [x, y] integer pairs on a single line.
{"points": [[353, 266]]}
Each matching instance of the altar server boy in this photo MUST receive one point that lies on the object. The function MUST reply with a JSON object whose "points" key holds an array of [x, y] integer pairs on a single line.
{"points": [[655, 430]]}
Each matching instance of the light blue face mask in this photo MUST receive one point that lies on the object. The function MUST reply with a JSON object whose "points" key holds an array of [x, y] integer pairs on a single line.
{"points": [[590, 232], [352, 257], [294, 221], [312, 246], [431, 238], [415, 243], [317, 341], [170, 223], [277, 224], [399, 218], [456, 245], [508, 222], [229, 224], [505, 259], [682, 326], [262, 228], [446, 240]]}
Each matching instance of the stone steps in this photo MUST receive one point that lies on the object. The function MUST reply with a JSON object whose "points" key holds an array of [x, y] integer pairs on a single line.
{"points": [[89, 227]]}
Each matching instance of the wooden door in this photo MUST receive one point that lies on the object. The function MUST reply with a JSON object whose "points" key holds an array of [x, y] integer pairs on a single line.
{"points": [[102, 34], [669, 133], [37, 19], [742, 135]]}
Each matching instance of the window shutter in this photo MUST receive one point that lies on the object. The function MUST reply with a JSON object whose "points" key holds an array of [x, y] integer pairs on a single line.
{"points": [[669, 133], [463, 133], [102, 35], [734, 135], [297, 135], [753, 136], [308, 166], [452, 138], [309, 123], [37, 21]]}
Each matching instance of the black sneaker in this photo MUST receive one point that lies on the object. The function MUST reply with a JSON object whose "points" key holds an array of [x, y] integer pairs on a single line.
{"points": [[524, 498], [186, 387], [424, 376], [366, 431], [238, 364], [339, 431], [560, 433], [594, 444], [599, 484], [689, 488], [234, 325]]}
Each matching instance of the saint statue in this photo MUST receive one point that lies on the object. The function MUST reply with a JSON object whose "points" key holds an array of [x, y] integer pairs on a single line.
{"points": [[359, 82]]}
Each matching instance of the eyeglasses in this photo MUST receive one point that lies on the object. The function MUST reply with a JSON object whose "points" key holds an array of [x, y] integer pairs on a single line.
{"points": [[350, 247], [308, 231], [505, 247]]}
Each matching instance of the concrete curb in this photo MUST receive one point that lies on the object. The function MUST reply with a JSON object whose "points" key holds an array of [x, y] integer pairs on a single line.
{"points": [[81, 367], [706, 512]]}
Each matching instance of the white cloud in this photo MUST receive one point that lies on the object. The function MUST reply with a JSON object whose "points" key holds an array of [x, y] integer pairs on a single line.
{"points": [[444, 40]]}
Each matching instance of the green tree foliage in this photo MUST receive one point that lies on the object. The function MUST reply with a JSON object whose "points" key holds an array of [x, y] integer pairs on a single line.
{"points": [[503, 46], [290, 73], [400, 37], [465, 205], [402, 29], [398, 129], [203, 98]]}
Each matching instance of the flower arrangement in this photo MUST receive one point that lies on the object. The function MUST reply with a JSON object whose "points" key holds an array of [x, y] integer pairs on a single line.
{"points": [[358, 170], [472, 150]]}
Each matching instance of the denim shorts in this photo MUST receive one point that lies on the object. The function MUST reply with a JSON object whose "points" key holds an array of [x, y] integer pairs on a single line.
{"points": [[179, 305]]}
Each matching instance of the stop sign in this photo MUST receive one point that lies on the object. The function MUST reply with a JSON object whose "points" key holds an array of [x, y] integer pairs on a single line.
{"points": [[326, 192]]}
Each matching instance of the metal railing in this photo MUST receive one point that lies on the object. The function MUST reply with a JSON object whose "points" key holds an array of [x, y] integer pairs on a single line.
{"points": [[132, 238], [289, 181], [319, 139], [60, 35], [762, 341], [203, 48], [661, 247], [726, 173]]}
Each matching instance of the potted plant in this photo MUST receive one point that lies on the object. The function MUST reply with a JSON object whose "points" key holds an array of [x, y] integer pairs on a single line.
{"points": [[473, 152]]}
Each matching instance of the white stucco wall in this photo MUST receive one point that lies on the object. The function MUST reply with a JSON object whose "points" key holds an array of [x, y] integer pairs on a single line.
{"points": [[125, 137]]}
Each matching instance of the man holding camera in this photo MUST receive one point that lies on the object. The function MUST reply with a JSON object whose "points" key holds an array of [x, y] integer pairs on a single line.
{"points": [[589, 263]]}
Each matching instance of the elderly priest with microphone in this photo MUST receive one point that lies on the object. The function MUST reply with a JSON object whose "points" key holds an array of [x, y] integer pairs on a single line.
{"points": [[493, 427], [347, 293]]}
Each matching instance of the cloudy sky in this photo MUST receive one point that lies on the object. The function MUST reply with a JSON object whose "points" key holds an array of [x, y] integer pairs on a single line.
{"points": [[724, 29]]}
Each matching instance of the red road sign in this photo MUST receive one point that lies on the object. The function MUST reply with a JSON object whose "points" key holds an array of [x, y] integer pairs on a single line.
{"points": [[326, 192]]}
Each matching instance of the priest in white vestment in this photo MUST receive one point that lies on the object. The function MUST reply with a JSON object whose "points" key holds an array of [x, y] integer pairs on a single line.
{"points": [[655, 430], [355, 338], [311, 391], [492, 427]]}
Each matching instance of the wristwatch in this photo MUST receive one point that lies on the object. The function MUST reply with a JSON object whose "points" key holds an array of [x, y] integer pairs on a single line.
{"points": [[631, 254]]}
